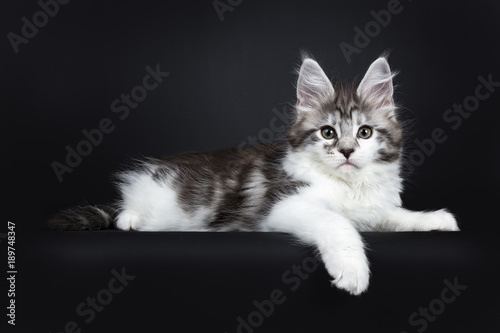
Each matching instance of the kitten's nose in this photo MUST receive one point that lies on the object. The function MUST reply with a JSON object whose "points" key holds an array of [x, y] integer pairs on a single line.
{"points": [[347, 152]]}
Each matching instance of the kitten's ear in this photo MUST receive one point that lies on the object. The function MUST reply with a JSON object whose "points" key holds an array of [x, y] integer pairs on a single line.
{"points": [[312, 85], [376, 86]]}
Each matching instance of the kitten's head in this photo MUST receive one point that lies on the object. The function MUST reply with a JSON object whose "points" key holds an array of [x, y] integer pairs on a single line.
{"points": [[344, 129]]}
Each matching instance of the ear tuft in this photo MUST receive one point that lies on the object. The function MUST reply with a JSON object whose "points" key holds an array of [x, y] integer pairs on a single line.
{"points": [[313, 85], [376, 85]]}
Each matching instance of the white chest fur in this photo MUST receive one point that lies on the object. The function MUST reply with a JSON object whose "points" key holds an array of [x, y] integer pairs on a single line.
{"points": [[364, 198]]}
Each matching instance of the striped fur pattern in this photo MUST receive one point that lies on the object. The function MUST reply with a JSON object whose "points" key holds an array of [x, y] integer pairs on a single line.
{"points": [[337, 173]]}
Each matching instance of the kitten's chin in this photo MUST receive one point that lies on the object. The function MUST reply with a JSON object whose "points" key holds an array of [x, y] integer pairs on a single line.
{"points": [[347, 166], [347, 169]]}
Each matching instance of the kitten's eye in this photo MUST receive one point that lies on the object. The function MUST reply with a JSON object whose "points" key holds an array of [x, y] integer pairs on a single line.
{"points": [[365, 132], [328, 132]]}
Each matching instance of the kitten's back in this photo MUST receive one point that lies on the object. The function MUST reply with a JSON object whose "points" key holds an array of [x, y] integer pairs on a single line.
{"points": [[229, 189]]}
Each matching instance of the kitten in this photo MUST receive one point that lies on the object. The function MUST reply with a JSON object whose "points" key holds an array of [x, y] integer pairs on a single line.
{"points": [[338, 173]]}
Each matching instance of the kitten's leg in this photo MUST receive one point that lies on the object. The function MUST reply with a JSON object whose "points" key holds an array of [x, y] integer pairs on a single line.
{"points": [[401, 219], [338, 242]]}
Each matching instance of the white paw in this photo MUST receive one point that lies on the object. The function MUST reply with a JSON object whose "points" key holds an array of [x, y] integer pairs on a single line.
{"points": [[350, 273], [128, 220], [440, 220]]}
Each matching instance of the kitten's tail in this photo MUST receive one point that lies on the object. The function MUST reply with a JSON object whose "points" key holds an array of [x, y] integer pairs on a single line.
{"points": [[84, 218]]}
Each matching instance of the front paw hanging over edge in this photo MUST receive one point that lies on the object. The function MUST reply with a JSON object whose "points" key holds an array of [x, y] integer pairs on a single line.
{"points": [[351, 273]]}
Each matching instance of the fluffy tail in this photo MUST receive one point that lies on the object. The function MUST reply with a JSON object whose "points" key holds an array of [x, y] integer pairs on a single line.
{"points": [[84, 218]]}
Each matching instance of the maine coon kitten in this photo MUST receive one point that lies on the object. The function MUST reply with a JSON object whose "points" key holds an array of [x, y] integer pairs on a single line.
{"points": [[338, 173]]}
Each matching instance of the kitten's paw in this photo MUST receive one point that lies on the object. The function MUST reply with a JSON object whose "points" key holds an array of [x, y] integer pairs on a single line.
{"points": [[128, 220], [352, 275], [440, 220]]}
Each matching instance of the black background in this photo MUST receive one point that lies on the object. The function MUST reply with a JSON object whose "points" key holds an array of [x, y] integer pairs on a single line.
{"points": [[225, 79]]}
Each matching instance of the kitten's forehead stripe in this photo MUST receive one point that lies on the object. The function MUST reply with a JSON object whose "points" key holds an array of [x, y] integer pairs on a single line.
{"points": [[345, 101]]}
